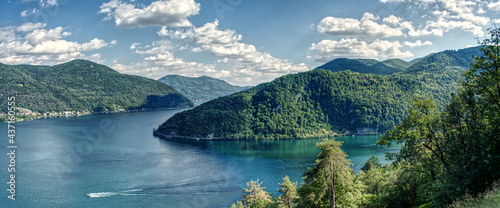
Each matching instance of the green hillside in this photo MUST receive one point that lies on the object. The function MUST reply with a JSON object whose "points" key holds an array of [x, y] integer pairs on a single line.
{"points": [[442, 71], [321, 102], [390, 66], [202, 88], [83, 86], [303, 105]]}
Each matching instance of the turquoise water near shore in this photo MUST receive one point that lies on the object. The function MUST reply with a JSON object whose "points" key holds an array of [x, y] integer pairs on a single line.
{"points": [[115, 161]]}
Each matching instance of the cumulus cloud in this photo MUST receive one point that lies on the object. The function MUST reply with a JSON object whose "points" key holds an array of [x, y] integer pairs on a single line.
{"points": [[451, 14], [160, 61], [42, 35], [364, 37], [366, 26], [495, 6], [31, 43], [30, 26], [327, 50], [417, 43], [170, 13], [226, 45], [237, 62]]}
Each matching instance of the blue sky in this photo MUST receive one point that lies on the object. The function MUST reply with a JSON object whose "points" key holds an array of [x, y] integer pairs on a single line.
{"points": [[244, 42]]}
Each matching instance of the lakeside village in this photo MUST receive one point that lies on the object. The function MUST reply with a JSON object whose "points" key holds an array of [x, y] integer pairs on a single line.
{"points": [[23, 114]]}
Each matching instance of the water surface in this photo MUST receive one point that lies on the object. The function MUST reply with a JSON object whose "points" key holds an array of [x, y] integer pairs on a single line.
{"points": [[115, 161]]}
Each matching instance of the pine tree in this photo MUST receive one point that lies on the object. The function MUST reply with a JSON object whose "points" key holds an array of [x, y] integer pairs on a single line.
{"points": [[289, 191], [256, 196], [330, 182]]}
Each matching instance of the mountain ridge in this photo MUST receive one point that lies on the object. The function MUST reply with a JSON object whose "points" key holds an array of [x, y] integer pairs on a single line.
{"points": [[201, 88], [322, 102], [82, 87]]}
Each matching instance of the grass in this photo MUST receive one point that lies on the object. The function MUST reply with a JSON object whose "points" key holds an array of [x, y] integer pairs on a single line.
{"points": [[489, 199]]}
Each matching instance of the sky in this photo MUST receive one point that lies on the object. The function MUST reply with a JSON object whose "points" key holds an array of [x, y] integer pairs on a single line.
{"points": [[244, 42]]}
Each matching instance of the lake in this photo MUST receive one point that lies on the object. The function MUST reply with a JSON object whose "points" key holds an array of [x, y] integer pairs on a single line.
{"points": [[115, 161]]}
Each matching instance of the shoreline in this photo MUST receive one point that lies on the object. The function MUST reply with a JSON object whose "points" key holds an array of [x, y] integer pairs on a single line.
{"points": [[68, 114], [176, 137]]}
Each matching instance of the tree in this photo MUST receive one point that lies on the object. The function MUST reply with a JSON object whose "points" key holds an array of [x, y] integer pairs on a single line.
{"points": [[484, 80], [330, 182], [256, 196], [373, 162], [456, 151], [289, 191]]}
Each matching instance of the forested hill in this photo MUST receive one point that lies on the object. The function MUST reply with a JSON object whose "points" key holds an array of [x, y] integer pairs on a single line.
{"points": [[442, 71], [444, 61], [83, 86], [321, 102], [202, 88], [389, 66], [314, 103]]}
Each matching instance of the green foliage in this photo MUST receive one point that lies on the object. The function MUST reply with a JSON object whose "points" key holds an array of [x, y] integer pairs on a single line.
{"points": [[454, 152], [255, 196], [330, 182], [320, 102], [488, 199], [373, 162], [82, 85], [289, 196], [200, 88], [379, 185], [442, 72], [449, 151], [309, 104], [372, 66]]}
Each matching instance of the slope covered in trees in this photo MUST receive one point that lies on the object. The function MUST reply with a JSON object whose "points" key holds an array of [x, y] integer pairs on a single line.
{"points": [[82, 86], [202, 88], [389, 66], [320, 102], [450, 157], [301, 105]]}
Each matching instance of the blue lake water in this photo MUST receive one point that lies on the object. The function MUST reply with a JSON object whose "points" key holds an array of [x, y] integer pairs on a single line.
{"points": [[115, 161]]}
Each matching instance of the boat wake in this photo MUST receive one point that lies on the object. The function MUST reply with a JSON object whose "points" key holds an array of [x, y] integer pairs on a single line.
{"points": [[187, 188], [132, 192]]}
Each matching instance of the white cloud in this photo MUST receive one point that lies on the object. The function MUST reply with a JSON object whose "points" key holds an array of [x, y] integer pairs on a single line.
{"points": [[33, 44], [417, 43], [42, 35], [453, 14], [495, 6], [170, 13], [249, 66], [45, 3], [327, 50], [29, 12], [29, 26], [391, 19], [367, 26], [158, 61], [237, 62], [134, 45], [447, 25], [426, 31]]}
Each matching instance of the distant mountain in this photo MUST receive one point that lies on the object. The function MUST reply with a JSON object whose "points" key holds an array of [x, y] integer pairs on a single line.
{"points": [[82, 86], [444, 61], [321, 102], [442, 71], [202, 88], [390, 66]]}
